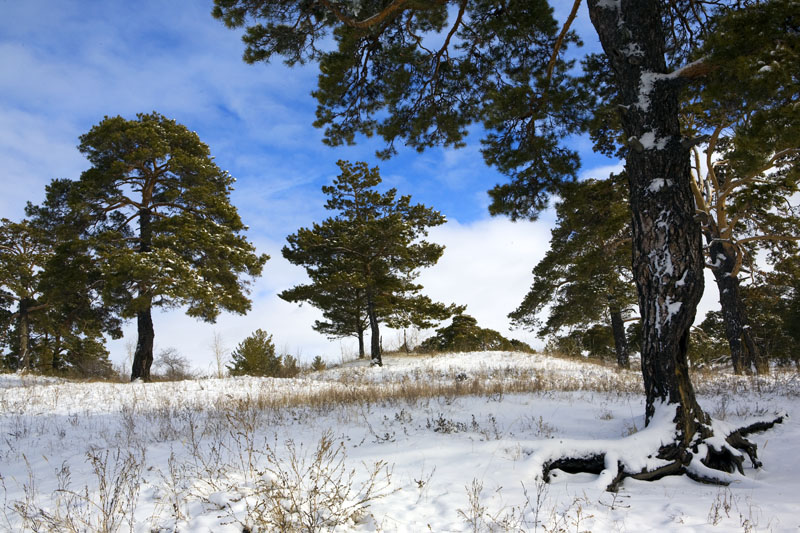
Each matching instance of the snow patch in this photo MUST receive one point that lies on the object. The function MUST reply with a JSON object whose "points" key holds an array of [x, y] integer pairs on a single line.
{"points": [[658, 184], [650, 141], [672, 308]]}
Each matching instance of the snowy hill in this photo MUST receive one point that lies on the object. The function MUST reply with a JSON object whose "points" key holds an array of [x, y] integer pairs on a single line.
{"points": [[435, 443]]}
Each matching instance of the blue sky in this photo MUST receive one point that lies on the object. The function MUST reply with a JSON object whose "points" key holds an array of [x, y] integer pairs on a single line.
{"points": [[66, 64]]}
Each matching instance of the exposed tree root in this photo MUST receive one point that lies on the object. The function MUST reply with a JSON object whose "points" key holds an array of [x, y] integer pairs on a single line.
{"points": [[758, 427], [712, 459]]}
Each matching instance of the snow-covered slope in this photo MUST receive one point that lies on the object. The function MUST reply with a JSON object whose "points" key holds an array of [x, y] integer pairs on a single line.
{"points": [[436, 443]]}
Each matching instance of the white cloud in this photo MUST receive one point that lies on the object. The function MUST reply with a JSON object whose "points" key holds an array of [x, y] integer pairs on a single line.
{"points": [[487, 266], [602, 172]]}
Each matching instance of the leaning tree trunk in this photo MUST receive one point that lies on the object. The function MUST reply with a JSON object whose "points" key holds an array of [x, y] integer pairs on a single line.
{"points": [[375, 335], [618, 330], [143, 356], [745, 354]]}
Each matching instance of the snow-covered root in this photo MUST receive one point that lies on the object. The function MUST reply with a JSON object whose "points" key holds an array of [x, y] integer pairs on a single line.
{"points": [[654, 453]]}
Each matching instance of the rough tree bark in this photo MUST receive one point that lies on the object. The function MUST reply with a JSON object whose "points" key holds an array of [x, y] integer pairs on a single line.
{"points": [[143, 356], [620, 341], [745, 354], [667, 256]]}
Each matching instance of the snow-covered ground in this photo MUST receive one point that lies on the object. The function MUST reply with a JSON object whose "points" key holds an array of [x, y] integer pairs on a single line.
{"points": [[441, 443]]}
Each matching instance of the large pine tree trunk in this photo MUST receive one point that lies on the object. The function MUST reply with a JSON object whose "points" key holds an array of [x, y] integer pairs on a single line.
{"points": [[375, 335], [667, 257], [143, 356], [667, 265], [620, 341], [745, 354]]}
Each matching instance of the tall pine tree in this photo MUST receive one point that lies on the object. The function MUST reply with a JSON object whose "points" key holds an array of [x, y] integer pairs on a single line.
{"points": [[372, 250], [164, 229]]}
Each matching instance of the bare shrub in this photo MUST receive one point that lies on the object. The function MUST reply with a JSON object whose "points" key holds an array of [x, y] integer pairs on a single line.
{"points": [[172, 365], [108, 508], [312, 492]]}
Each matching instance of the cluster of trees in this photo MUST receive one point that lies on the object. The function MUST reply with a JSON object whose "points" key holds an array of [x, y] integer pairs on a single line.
{"points": [[464, 335], [422, 73], [743, 179], [586, 286], [149, 224]]}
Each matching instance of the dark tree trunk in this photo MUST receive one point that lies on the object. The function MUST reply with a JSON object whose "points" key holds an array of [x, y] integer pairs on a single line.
{"points": [[24, 334], [667, 254], [745, 354], [143, 356], [375, 336], [620, 341]]}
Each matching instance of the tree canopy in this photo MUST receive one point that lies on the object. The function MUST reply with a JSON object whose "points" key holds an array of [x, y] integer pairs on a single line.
{"points": [[54, 318]]}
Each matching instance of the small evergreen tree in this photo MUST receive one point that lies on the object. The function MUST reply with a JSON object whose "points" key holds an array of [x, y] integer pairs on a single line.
{"points": [[289, 366], [318, 364], [255, 356]]}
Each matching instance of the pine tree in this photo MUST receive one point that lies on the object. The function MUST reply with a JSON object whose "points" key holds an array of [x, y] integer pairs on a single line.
{"points": [[370, 250], [54, 321], [343, 306], [255, 356], [499, 64], [585, 277], [744, 179], [164, 230], [71, 330]]}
